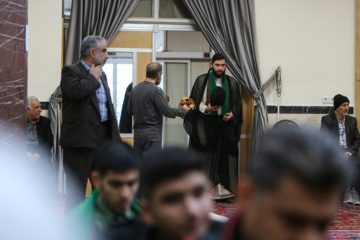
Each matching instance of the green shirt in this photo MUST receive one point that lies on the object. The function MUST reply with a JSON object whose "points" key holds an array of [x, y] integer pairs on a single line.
{"points": [[78, 223], [104, 217]]}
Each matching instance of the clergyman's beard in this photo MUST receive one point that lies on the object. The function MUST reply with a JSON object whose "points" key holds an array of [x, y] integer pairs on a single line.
{"points": [[219, 76], [157, 82]]}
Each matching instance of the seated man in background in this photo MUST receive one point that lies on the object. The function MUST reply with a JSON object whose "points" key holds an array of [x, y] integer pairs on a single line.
{"points": [[111, 212], [176, 198], [344, 128], [295, 183], [39, 134]]}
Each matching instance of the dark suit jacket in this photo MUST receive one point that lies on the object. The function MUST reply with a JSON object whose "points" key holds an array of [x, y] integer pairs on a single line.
{"points": [[125, 124], [45, 138], [81, 114], [329, 123]]}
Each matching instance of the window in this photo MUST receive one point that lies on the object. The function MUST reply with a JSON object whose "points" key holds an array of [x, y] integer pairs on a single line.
{"points": [[67, 7], [161, 10], [119, 72], [143, 9], [151, 10], [173, 9]]}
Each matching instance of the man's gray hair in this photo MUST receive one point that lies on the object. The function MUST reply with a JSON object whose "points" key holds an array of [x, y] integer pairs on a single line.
{"points": [[152, 70], [89, 42], [30, 99]]}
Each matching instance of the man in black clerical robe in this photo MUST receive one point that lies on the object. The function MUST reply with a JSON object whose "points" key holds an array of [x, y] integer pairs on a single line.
{"points": [[215, 129]]}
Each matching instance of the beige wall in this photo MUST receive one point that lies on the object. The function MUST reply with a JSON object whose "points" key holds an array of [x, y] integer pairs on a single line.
{"points": [[198, 67], [189, 42], [44, 57], [186, 42], [314, 43]]}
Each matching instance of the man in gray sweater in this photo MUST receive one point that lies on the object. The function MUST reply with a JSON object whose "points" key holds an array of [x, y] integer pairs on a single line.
{"points": [[148, 105]]}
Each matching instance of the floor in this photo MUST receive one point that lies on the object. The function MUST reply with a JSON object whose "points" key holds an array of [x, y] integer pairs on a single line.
{"points": [[346, 224]]}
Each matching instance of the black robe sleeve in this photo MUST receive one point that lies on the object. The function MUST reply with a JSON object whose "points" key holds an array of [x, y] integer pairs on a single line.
{"points": [[125, 123]]}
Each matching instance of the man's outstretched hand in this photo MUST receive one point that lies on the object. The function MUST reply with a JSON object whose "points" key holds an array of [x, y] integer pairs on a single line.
{"points": [[187, 109]]}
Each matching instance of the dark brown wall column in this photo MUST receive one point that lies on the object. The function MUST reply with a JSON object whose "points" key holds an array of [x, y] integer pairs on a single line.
{"points": [[13, 72]]}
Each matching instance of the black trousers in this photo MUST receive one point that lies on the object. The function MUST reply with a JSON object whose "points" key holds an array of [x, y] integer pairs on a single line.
{"points": [[78, 163], [144, 148], [354, 162]]}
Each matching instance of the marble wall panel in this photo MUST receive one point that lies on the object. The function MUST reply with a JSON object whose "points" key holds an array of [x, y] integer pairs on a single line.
{"points": [[312, 121], [306, 120], [13, 71]]}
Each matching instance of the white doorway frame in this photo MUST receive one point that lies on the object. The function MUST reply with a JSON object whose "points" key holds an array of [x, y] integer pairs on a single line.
{"points": [[121, 52], [179, 61], [188, 86]]}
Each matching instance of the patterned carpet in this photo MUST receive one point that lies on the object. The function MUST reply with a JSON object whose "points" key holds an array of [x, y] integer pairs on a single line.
{"points": [[224, 209], [346, 224]]}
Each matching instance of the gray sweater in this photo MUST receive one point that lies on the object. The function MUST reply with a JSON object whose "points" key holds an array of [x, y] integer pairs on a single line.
{"points": [[148, 105]]}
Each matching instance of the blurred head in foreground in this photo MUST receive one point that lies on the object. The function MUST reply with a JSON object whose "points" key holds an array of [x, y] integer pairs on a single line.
{"points": [[111, 212], [295, 183], [176, 193], [116, 176]]}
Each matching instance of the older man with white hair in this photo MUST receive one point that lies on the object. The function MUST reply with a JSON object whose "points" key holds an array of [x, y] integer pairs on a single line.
{"points": [[344, 129], [39, 134]]}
